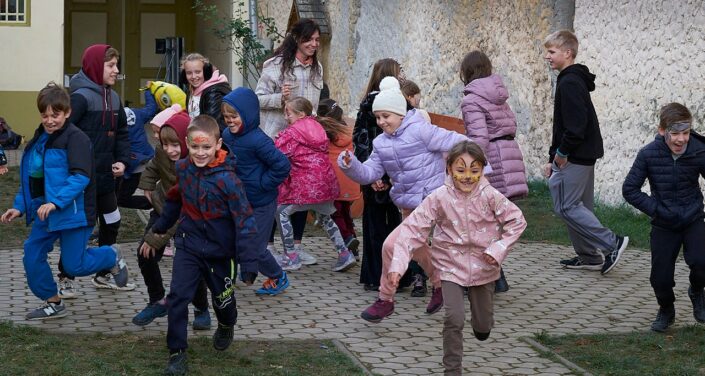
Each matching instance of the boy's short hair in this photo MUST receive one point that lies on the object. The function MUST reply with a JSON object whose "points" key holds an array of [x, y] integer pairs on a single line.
{"points": [[53, 96], [409, 88], [564, 40], [674, 113], [111, 53], [206, 124], [167, 135]]}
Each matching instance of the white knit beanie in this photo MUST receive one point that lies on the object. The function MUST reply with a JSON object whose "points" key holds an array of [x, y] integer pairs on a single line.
{"points": [[390, 97]]}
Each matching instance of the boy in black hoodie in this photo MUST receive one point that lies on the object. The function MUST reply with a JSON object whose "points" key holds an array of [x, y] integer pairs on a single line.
{"points": [[575, 147]]}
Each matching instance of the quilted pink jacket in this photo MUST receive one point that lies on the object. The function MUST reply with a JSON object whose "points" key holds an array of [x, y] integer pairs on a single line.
{"points": [[312, 178], [491, 124], [467, 225]]}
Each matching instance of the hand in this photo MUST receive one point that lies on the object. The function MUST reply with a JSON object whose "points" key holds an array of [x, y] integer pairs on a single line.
{"points": [[3, 170], [346, 157], [148, 196], [393, 279], [118, 169], [560, 161], [380, 185], [147, 251], [9, 215], [547, 170], [45, 209], [489, 259], [286, 92]]}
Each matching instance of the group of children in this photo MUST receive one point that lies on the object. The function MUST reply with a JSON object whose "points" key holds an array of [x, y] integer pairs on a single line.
{"points": [[218, 183]]}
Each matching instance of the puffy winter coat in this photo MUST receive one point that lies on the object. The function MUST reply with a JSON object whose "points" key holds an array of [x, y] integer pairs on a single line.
{"points": [[140, 149], [211, 95], [312, 179], [491, 124], [412, 157], [466, 226]]}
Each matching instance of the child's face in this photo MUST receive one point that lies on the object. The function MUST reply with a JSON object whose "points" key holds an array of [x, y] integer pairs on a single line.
{"points": [[466, 172], [155, 131], [414, 100], [110, 72], [202, 147], [292, 116], [232, 119], [388, 121], [173, 150], [558, 58], [677, 140], [194, 73], [52, 120]]}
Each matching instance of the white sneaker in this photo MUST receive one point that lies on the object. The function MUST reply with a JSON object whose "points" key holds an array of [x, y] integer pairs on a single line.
{"points": [[306, 258], [66, 289], [107, 282]]}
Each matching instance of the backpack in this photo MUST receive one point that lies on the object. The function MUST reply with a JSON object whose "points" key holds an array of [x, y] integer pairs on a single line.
{"points": [[8, 139]]}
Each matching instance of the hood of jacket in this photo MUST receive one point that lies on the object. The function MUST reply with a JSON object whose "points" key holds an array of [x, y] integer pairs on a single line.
{"points": [[412, 117], [246, 103], [309, 132], [490, 88], [581, 71], [179, 123], [93, 61]]}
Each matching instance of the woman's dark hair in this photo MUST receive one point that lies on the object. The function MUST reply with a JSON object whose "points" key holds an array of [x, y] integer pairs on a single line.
{"points": [[382, 69], [301, 32], [463, 147], [330, 108], [475, 65]]}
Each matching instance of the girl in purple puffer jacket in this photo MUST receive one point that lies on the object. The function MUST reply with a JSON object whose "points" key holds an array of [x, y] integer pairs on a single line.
{"points": [[410, 151], [491, 124]]}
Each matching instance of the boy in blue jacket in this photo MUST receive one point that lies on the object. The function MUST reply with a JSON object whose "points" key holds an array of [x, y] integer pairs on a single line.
{"points": [[672, 163], [213, 212], [261, 167], [57, 194]]}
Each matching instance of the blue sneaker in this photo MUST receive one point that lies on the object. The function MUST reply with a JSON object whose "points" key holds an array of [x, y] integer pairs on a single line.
{"points": [[346, 260], [274, 286], [201, 320], [149, 313]]}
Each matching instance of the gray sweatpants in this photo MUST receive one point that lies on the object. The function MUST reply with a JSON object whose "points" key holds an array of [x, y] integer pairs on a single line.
{"points": [[572, 190]]}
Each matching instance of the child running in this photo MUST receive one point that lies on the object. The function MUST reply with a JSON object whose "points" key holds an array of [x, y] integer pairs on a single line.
{"points": [[57, 195], [411, 152], [311, 184], [262, 168], [465, 259], [210, 204]]}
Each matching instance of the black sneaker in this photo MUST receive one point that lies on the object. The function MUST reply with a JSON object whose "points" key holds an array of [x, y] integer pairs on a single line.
{"points": [[698, 300], [577, 263], [419, 284], [613, 257], [223, 337], [177, 364], [664, 319]]}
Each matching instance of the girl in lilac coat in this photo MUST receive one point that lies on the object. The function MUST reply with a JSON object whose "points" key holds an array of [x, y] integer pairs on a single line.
{"points": [[410, 151], [491, 124]]}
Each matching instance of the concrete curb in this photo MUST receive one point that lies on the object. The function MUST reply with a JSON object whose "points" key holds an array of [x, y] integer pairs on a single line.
{"points": [[564, 361], [352, 357]]}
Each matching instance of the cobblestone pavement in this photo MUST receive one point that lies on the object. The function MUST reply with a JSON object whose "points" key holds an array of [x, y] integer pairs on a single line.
{"points": [[324, 304]]}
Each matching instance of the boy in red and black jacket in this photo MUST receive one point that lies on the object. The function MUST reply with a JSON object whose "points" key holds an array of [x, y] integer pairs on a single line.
{"points": [[209, 201]]}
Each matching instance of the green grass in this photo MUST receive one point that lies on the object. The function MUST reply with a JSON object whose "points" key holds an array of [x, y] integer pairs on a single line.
{"points": [[544, 226], [679, 352], [29, 351]]}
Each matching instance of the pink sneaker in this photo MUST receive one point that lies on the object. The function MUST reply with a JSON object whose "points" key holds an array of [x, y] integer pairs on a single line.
{"points": [[436, 302], [378, 311]]}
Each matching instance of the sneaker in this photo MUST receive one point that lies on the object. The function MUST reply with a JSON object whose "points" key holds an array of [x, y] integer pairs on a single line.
{"points": [[352, 244], [274, 286], [378, 311], [106, 282], [201, 320], [149, 313], [119, 271], [501, 284], [290, 261], [177, 365], [346, 260], [306, 258], [613, 257], [371, 287], [66, 289], [698, 300], [419, 284], [664, 319], [436, 302], [223, 337], [577, 263], [169, 249], [48, 310]]}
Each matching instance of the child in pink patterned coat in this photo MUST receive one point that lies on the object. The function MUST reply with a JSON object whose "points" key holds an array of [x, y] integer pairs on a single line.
{"points": [[311, 185], [475, 228]]}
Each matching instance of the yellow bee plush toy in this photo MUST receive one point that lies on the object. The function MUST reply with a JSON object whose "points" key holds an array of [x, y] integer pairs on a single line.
{"points": [[167, 94]]}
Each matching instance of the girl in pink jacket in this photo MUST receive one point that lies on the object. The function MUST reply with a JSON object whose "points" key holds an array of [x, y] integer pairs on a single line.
{"points": [[311, 185], [475, 227]]}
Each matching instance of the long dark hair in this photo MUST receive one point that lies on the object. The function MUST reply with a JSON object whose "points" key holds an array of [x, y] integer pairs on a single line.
{"points": [[302, 31], [382, 69], [330, 116]]}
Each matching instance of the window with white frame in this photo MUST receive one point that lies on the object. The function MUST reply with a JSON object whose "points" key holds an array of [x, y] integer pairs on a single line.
{"points": [[14, 12]]}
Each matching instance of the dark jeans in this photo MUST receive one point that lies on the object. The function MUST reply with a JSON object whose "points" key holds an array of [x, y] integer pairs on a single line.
{"points": [[665, 246], [266, 264], [125, 190]]}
